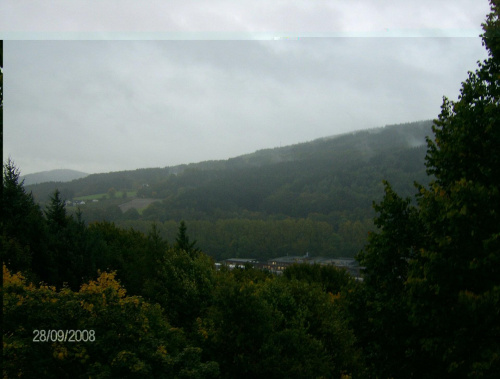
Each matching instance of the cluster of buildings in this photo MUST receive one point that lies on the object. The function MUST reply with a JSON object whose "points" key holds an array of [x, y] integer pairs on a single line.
{"points": [[76, 203], [278, 265]]}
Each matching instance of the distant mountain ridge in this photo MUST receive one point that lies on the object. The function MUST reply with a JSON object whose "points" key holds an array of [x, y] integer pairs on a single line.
{"points": [[377, 151], [59, 175], [313, 197]]}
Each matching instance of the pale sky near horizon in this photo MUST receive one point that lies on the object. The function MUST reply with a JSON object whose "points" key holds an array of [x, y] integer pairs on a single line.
{"points": [[127, 84]]}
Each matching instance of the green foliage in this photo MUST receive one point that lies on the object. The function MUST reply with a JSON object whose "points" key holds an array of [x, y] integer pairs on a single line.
{"points": [[56, 212], [182, 241], [307, 308], [129, 252], [182, 284], [331, 279], [428, 305], [386, 256], [112, 193], [184, 319], [457, 267], [124, 336], [328, 178], [266, 239], [22, 227], [438, 262], [277, 328], [235, 328], [379, 309], [68, 242]]}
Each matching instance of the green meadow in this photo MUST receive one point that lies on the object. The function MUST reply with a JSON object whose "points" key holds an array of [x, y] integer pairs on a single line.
{"points": [[99, 196]]}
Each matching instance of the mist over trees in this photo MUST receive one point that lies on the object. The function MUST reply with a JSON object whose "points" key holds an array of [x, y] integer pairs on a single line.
{"points": [[313, 197]]}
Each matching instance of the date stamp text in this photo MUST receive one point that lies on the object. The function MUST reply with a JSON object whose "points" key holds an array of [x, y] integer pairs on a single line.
{"points": [[63, 335]]}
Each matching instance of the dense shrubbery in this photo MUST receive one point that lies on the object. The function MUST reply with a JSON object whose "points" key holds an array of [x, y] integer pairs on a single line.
{"points": [[117, 335]]}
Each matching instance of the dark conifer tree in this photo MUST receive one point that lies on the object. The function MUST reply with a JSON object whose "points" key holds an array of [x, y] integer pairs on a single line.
{"points": [[70, 245], [182, 241], [56, 212], [23, 228]]}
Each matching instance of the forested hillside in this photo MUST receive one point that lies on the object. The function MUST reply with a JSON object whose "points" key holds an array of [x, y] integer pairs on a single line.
{"points": [[290, 163], [60, 175], [101, 301], [314, 197]]}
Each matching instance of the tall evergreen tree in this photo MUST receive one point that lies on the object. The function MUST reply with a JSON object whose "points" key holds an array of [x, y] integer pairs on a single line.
{"points": [[182, 241], [70, 245], [23, 228], [56, 212]]}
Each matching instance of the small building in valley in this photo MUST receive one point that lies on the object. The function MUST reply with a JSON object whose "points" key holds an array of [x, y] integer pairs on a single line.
{"points": [[278, 265], [239, 262]]}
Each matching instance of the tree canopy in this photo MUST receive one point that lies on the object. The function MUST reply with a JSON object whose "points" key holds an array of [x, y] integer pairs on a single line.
{"points": [[438, 262]]}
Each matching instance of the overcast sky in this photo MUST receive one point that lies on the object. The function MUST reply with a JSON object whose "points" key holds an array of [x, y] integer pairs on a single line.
{"points": [[132, 84]]}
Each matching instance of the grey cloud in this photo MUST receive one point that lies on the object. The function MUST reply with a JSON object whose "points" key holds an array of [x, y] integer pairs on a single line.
{"points": [[229, 16], [112, 105]]}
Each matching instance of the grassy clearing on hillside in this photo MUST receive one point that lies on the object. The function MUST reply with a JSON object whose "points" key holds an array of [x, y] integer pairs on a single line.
{"points": [[118, 195], [139, 204]]}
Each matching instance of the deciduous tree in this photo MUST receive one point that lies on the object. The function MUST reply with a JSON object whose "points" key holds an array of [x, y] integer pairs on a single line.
{"points": [[114, 335], [454, 282], [379, 308], [440, 261]]}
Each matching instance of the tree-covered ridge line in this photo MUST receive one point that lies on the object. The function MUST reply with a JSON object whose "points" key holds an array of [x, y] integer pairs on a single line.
{"points": [[357, 145], [314, 197]]}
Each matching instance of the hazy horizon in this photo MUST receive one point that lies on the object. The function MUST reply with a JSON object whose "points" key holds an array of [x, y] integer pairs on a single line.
{"points": [[110, 98], [235, 156]]}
